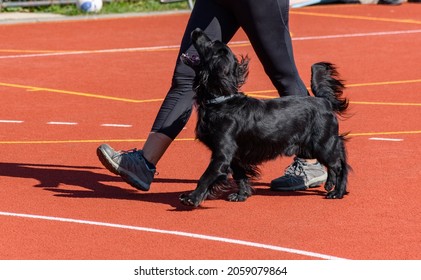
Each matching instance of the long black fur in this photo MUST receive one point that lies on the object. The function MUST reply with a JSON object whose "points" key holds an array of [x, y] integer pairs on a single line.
{"points": [[242, 132]]}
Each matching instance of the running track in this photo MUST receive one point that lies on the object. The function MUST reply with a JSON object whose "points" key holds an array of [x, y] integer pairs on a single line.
{"points": [[68, 86]]}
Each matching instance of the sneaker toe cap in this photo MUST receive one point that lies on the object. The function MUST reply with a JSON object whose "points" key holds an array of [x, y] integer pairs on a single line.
{"points": [[288, 183]]}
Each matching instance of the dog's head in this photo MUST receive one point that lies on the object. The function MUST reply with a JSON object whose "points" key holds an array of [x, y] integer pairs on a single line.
{"points": [[218, 71]]}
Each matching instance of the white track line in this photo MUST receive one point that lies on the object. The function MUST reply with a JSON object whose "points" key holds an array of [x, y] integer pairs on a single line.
{"points": [[10, 121], [116, 125], [340, 36], [62, 123], [177, 233], [70, 123], [175, 47]]}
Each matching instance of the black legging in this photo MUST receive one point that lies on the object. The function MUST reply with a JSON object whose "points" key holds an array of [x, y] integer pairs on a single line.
{"points": [[266, 24]]}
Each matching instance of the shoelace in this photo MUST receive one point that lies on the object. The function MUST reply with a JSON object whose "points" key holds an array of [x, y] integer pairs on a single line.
{"points": [[296, 169], [125, 152], [131, 153]]}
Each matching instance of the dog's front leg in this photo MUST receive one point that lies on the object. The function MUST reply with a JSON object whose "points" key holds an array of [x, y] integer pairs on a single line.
{"points": [[243, 183], [217, 169]]}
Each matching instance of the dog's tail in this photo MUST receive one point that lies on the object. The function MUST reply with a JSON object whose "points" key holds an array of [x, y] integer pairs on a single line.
{"points": [[325, 83]]}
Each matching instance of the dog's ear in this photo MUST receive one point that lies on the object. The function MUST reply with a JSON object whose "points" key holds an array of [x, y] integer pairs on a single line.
{"points": [[222, 52], [201, 79], [242, 70]]}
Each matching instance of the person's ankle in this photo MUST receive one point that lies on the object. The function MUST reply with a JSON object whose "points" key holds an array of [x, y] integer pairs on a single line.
{"points": [[149, 164]]}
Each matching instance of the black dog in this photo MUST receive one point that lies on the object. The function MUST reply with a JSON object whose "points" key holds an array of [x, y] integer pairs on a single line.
{"points": [[242, 132]]}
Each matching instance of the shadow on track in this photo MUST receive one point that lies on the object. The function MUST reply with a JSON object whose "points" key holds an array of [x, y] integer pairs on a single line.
{"points": [[55, 178]]}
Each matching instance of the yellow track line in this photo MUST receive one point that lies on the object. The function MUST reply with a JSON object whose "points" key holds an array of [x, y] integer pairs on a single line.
{"points": [[385, 133], [355, 17], [84, 94], [258, 94], [385, 83], [355, 102], [43, 53], [87, 141], [410, 21], [384, 103]]}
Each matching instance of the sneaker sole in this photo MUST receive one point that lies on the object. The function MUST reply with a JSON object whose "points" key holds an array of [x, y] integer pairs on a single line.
{"points": [[314, 183], [129, 177]]}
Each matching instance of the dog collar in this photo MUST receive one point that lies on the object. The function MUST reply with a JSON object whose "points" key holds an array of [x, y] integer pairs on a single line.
{"points": [[219, 99]]}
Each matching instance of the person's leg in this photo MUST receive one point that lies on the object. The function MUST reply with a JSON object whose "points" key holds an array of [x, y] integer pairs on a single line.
{"points": [[267, 27], [175, 111], [155, 146], [137, 168]]}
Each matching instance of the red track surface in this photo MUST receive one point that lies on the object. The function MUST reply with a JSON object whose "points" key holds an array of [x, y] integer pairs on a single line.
{"points": [[51, 170]]}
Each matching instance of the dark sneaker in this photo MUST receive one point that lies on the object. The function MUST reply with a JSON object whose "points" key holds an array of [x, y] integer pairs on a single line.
{"points": [[300, 175], [130, 165]]}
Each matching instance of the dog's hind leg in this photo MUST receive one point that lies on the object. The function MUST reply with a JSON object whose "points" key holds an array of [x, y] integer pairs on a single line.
{"points": [[243, 183], [337, 167], [341, 169], [330, 151], [331, 179], [340, 183]]}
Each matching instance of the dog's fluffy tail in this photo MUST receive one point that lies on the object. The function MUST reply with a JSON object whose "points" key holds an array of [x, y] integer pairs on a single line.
{"points": [[325, 83]]}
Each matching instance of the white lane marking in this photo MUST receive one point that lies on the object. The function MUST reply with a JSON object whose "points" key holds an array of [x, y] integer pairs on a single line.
{"points": [[177, 233], [62, 123], [71, 123], [340, 36], [116, 125], [385, 139], [175, 47], [10, 121]]}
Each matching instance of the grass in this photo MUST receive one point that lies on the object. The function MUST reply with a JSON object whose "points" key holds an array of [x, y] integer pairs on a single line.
{"points": [[109, 7]]}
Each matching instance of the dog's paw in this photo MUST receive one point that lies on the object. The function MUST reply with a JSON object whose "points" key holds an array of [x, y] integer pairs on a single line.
{"points": [[334, 195], [186, 199], [236, 197]]}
